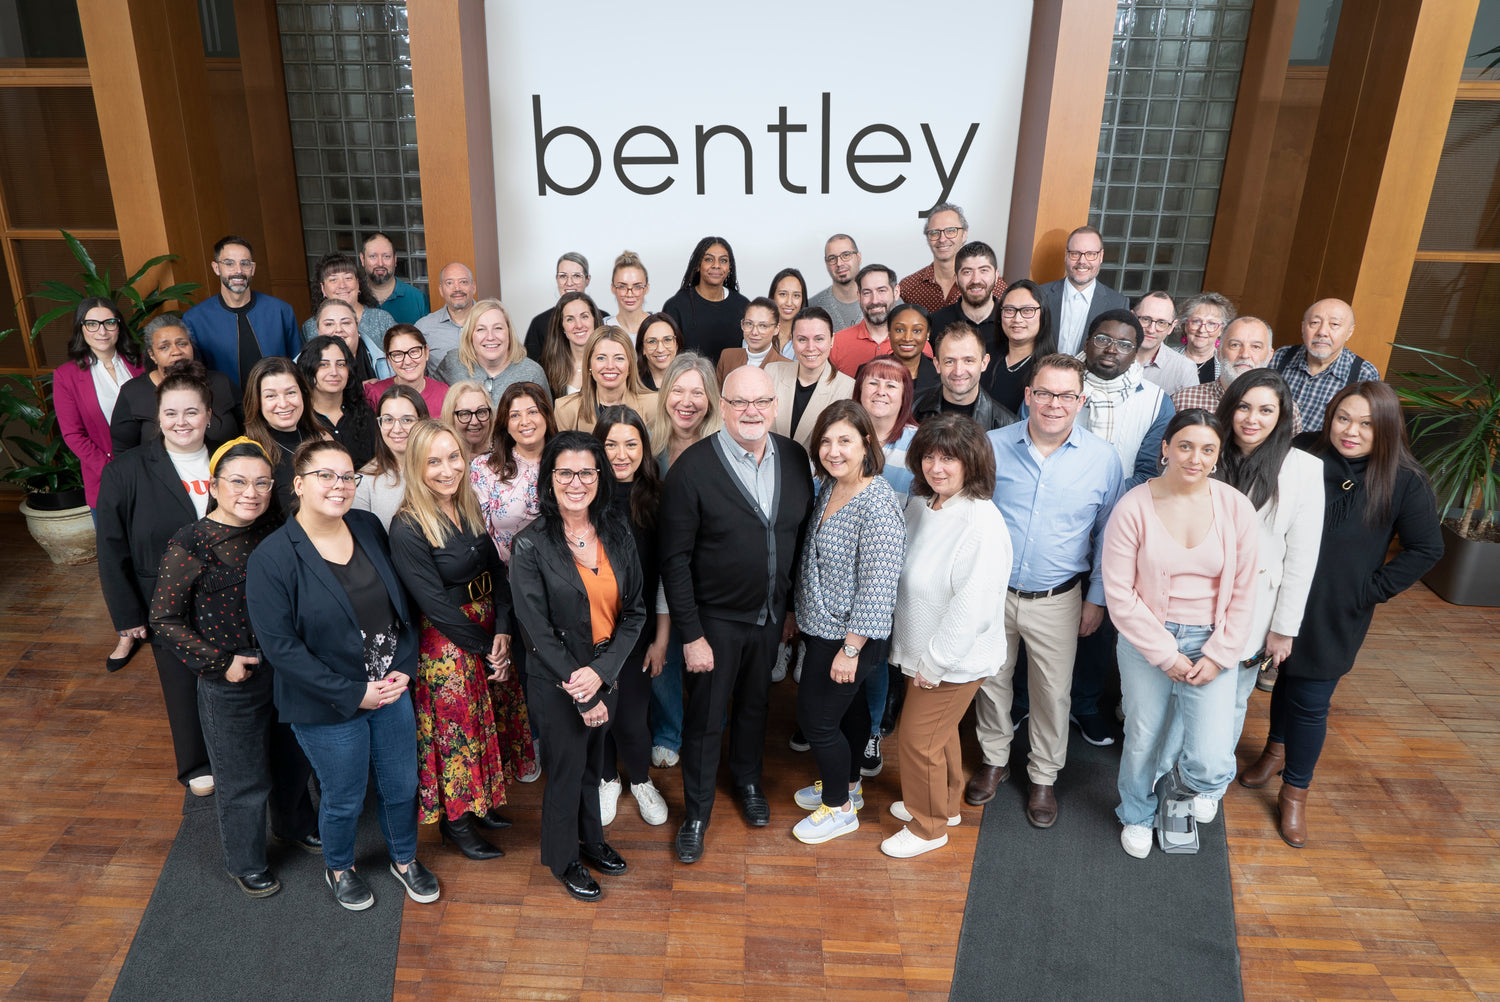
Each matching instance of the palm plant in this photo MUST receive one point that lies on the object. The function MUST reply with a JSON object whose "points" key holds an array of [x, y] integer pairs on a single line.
{"points": [[1458, 437]]}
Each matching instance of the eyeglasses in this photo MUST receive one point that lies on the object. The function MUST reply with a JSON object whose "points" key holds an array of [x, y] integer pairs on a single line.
{"points": [[571, 278], [469, 417], [1092, 255], [1204, 325], [92, 326], [659, 342], [1157, 323], [1024, 312], [946, 231], [1044, 397], [327, 477], [414, 354], [405, 420], [584, 477], [636, 289], [239, 485], [759, 403], [1105, 342], [749, 326], [841, 257]]}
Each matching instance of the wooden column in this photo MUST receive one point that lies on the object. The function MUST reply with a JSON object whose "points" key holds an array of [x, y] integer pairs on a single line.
{"points": [[1391, 85], [451, 88], [151, 90], [1067, 68]]}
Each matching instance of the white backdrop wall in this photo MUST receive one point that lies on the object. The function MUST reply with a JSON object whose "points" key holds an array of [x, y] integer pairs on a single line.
{"points": [[627, 126]]}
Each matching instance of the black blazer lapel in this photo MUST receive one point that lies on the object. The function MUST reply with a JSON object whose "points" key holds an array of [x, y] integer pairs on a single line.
{"points": [[160, 465], [309, 557]]}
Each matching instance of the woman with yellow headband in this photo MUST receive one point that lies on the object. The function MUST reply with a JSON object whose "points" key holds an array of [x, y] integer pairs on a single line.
{"points": [[199, 612]]}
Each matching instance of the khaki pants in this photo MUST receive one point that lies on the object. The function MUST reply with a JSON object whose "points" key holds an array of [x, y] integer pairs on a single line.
{"points": [[1050, 628], [932, 766]]}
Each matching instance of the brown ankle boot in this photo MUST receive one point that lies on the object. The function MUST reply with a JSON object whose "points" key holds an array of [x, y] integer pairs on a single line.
{"points": [[1268, 765], [1293, 804]]}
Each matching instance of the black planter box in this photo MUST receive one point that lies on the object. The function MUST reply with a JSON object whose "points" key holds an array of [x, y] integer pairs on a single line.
{"points": [[1468, 572]]}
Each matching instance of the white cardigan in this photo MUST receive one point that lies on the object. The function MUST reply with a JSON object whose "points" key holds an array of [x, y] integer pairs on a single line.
{"points": [[950, 602], [1291, 531]]}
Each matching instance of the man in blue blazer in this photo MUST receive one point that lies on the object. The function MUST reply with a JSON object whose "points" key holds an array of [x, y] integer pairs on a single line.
{"points": [[237, 328], [1077, 300]]}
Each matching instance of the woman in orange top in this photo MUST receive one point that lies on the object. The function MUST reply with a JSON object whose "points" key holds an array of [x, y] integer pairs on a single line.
{"points": [[576, 587]]}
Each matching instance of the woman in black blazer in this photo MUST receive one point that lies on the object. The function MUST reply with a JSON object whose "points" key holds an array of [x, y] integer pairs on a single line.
{"points": [[332, 617], [133, 422], [576, 588], [145, 496], [1373, 491]]}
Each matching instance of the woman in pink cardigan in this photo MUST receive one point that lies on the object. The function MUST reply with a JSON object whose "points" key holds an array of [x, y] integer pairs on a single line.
{"points": [[101, 359], [1179, 573]]}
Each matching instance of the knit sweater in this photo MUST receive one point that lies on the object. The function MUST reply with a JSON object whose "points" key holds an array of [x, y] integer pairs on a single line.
{"points": [[950, 603], [850, 565]]}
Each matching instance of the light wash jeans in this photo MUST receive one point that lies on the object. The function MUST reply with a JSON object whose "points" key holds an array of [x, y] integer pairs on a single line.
{"points": [[1151, 701], [666, 707], [1171, 748]]}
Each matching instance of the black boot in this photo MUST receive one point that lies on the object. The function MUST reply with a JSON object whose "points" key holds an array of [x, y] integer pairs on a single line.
{"points": [[462, 834]]}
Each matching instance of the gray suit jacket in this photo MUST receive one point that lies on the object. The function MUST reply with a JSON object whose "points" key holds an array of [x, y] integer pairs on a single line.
{"points": [[1105, 299]]}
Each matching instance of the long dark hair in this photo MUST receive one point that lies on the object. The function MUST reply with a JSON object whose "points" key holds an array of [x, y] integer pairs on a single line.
{"points": [[311, 357], [1258, 474], [557, 350], [694, 269], [610, 527], [776, 280], [385, 462], [1390, 452], [256, 426], [78, 347], [645, 488], [642, 365], [502, 444], [1046, 335]]}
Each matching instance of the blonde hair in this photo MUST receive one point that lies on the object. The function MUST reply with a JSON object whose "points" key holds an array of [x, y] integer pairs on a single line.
{"points": [[661, 422], [418, 503], [450, 404], [589, 395], [629, 259], [516, 349]]}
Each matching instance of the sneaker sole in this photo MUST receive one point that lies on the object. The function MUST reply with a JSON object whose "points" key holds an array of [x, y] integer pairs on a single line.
{"points": [[1103, 742], [813, 805], [422, 899], [798, 747], [820, 839], [905, 815], [358, 906], [912, 855], [871, 773]]}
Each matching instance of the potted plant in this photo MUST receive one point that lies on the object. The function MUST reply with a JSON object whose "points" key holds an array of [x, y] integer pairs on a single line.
{"points": [[1457, 437]]}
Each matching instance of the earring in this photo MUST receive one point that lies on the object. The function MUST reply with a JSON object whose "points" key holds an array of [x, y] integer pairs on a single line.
{"points": [[1162, 462], [1213, 469]]}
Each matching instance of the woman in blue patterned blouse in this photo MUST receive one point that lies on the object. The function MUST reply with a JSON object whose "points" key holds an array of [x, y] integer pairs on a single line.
{"points": [[846, 591]]}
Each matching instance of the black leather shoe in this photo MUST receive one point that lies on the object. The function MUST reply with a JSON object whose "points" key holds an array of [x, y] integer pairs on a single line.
{"points": [[307, 843], [259, 885], [462, 834], [690, 841], [350, 890], [492, 820], [115, 664], [753, 805], [580, 882], [420, 883], [601, 857]]}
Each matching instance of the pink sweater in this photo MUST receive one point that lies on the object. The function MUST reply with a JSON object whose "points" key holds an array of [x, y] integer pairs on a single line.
{"points": [[1139, 567]]}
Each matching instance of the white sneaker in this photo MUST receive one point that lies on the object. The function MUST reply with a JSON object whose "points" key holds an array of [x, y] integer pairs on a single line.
{"points": [[532, 774], [609, 799], [650, 802], [825, 823], [1136, 840], [801, 656], [904, 844], [810, 798], [662, 757], [778, 670], [900, 813], [202, 786], [1205, 809]]}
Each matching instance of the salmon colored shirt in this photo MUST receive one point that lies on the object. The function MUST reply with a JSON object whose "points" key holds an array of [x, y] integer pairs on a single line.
{"points": [[604, 596]]}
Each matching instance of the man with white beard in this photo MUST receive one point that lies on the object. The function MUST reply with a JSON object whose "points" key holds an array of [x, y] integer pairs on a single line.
{"points": [[1246, 345]]}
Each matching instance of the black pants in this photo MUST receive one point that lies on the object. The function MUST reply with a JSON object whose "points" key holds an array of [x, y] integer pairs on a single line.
{"points": [[835, 716], [571, 751], [179, 689], [627, 736], [1299, 718], [256, 762], [743, 656]]}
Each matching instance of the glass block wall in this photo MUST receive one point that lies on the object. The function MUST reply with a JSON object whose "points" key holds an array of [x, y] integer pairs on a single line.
{"points": [[1174, 73], [354, 129]]}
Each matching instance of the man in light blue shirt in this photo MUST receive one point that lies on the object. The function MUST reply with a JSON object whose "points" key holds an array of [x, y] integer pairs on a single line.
{"points": [[1055, 484]]}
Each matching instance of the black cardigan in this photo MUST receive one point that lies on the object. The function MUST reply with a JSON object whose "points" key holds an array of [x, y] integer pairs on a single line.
{"points": [[308, 629], [552, 606], [142, 504], [134, 421], [714, 555], [428, 572], [1353, 576]]}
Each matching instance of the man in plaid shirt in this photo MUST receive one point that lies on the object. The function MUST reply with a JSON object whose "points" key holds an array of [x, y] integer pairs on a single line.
{"points": [[1246, 345], [1322, 366]]}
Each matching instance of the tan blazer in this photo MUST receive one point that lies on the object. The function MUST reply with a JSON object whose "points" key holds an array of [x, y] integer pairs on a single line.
{"points": [[568, 418], [733, 358], [784, 378]]}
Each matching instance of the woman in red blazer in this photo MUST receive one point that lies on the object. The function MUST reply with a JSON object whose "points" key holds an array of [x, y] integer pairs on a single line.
{"points": [[101, 358]]}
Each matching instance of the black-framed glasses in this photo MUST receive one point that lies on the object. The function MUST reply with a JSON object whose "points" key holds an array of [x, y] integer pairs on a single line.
{"points": [[1044, 397], [841, 257], [469, 417], [327, 477], [584, 477], [1105, 342], [1024, 312], [943, 231], [1092, 255], [414, 354], [92, 326]]}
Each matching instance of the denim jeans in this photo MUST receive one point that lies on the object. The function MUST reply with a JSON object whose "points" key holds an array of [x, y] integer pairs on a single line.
{"points": [[1299, 719], [666, 697], [1171, 747], [256, 762], [1151, 700], [342, 754], [877, 689]]}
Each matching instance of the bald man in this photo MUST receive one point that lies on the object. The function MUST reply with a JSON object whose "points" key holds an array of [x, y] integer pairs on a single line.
{"points": [[443, 325], [1246, 345], [732, 514], [1321, 366]]}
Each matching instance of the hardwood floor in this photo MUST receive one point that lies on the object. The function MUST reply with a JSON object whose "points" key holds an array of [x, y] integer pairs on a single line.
{"points": [[1396, 897]]}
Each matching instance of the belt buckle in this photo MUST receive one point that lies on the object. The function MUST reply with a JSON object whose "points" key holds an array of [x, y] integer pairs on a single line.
{"points": [[482, 585]]}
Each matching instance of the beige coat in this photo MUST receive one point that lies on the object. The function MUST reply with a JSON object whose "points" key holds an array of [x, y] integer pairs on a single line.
{"points": [[568, 418], [784, 378]]}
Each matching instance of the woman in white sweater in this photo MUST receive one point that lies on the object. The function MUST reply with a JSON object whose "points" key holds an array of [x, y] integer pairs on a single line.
{"points": [[950, 620]]}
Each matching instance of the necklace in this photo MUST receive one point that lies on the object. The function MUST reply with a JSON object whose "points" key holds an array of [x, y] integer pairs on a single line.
{"points": [[581, 540]]}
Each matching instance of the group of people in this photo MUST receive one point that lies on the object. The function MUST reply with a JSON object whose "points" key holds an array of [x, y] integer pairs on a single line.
{"points": [[420, 546]]}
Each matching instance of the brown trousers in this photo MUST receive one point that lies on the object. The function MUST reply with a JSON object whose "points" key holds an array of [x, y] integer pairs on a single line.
{"points": [[932, 767]]}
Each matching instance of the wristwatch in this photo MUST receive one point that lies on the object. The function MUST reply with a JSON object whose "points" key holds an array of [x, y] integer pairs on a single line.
{"points": [[850, 651]]}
